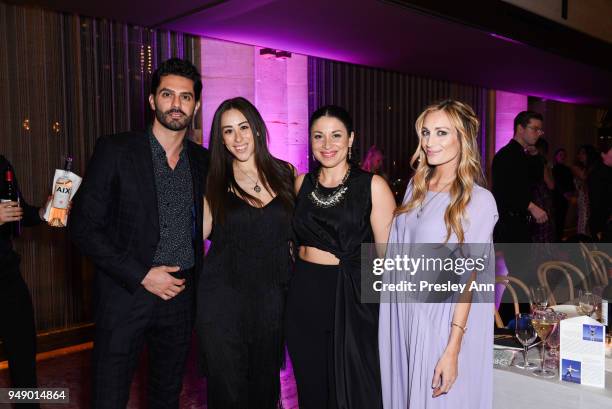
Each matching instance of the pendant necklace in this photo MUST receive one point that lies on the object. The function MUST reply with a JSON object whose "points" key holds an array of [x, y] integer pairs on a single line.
{"points": [[256, 188], [422, 206]]}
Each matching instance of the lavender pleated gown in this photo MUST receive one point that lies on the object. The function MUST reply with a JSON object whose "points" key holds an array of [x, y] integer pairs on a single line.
{"points": [[413, 336]]}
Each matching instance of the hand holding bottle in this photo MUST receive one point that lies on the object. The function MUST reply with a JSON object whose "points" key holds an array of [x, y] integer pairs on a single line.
{"points": [[10, 212]]}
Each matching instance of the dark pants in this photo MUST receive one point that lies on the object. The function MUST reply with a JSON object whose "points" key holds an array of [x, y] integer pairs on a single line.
{"points": [[509, 232], [17, 328], [561, 206], [166, 328], [310, 321]]}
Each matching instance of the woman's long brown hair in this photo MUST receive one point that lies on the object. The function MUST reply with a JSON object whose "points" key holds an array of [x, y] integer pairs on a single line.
{"points": [[276, 175]]}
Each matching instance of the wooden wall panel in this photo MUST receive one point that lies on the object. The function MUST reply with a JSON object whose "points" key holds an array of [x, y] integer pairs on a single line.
{"points": [[92, 77], [385, 105]]}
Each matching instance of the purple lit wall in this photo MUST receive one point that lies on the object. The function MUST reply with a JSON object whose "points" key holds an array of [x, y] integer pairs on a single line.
{"points": [[507, 105], [278, 88]]}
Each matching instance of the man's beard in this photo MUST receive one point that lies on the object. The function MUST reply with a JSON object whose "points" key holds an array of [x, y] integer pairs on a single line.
{"points": [[167, 121]]}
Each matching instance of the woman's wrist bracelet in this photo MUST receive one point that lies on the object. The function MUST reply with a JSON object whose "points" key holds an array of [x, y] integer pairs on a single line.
{"points": [[454, 324]]}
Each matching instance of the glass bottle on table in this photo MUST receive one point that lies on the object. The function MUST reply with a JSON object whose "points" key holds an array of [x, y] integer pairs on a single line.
{"points": [[526, 335], [58, 215]]}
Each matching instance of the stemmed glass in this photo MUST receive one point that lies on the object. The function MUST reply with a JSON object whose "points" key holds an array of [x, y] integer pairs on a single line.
{"points": [[540, 297], [553, 342], [544, 323], [526, 334], [586, 303]]}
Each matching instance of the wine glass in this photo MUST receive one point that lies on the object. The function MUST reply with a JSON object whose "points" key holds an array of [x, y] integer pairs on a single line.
{"points": [[540, 297], [586, 303], [526, 334], [553, 342], [544, 323]]}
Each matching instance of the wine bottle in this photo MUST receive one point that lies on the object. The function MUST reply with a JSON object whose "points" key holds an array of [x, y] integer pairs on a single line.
{"points": [[11, 195], [58, 216]]}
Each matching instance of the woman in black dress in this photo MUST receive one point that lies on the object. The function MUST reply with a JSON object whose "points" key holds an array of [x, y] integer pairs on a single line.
{"points": [[241, 291], [331, 336]]}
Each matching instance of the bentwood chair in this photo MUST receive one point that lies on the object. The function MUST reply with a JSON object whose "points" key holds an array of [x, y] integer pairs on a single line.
{"points": [[596, 268], [598, 261], [510, 283], [564, 269]]}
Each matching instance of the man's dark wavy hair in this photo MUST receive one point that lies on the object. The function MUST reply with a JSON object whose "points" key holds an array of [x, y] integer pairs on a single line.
{"points": [[182, 68]]}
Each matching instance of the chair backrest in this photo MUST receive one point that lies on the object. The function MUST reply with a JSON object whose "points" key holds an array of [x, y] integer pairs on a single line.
{"points": [[600, 263], [510, 282], [596, 261], [564, 268]]}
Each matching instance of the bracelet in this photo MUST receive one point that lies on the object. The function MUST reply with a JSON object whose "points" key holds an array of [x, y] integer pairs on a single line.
{"points": [[464, 329]]}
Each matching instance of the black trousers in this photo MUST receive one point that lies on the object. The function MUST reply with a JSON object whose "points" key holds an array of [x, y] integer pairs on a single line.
{"points": [[17, 328], [509, 233], [561, 206], [166, 328], [309, 323]]}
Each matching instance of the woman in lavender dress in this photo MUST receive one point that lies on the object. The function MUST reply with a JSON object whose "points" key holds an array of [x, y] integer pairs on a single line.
{"points": [[439, 355]]}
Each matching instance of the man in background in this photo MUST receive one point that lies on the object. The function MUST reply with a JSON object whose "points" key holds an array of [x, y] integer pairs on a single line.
{"points": [[511, 189]]}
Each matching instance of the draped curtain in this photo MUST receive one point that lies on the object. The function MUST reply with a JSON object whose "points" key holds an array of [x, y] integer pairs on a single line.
{"points": [[64, 81], [385, 106]]}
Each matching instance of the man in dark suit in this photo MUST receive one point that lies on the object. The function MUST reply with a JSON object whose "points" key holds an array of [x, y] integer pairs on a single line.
{"points": [[511, 189], [138, 216], [511, 181]]}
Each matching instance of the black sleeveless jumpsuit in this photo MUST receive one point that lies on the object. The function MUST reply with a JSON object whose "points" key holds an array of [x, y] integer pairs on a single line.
{"points": [[240, 304], [332, 338]]}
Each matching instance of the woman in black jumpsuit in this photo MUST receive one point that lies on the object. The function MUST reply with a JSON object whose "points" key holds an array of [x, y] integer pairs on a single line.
{"points": [[241, 291]]}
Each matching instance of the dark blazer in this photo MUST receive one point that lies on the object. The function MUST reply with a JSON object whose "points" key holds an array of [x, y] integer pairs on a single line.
{"points": [[114, 218]]}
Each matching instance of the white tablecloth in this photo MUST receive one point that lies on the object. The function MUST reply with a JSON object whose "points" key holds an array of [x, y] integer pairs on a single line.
{"points": [[516, 388]]}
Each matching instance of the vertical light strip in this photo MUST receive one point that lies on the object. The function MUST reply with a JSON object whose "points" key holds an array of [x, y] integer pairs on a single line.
{"points": [[507, 106]]}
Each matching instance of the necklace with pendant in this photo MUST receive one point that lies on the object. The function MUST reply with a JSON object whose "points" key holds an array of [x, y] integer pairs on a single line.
{"points": [[320, 199], [256, 188], [422, 206]]}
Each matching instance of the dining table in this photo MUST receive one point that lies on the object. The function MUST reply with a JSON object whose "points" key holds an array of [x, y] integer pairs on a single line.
{"points": [[519, 388]]}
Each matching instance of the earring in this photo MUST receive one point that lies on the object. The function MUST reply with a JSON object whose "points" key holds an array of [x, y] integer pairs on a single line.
{"points": [[313, 158], [350, 152]]}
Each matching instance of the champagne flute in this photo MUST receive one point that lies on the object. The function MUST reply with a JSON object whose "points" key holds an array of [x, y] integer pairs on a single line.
{"points": [[544, 323], [540, 297], [525, 333]]}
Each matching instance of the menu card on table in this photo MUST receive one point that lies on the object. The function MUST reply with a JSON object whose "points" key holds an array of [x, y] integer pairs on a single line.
{"points": [[582, 351]]}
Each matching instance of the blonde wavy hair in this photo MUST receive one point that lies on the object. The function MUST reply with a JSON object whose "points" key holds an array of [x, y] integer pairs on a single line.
{"points": [[469, 170]]}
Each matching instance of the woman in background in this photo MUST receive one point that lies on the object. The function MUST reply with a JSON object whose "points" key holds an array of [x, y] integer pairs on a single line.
{"points": [[585, 161]]}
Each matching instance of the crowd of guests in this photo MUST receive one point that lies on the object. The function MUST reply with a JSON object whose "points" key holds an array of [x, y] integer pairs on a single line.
{"points": [[283, 269], [585, 187], [576, 197]]}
